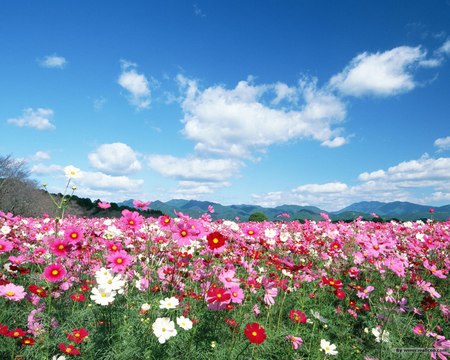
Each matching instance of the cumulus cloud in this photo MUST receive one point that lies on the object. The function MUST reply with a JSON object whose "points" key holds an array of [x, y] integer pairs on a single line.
{"points": [[53, 61], [194, 168], [46, 169], [443, 143], [397, 183], [136, 84], [382, 74], [99, 180], [115, 159], [40, 155], [38, 119], [239, 121], [445, 48]]}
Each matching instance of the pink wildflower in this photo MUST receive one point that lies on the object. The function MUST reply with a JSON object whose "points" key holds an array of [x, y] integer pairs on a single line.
{"points": [[12, 292], [5, 246], [118, 261], [131, 220], [138, 204], [419, 329], [54, 272], [104, 205], [296, 341]]}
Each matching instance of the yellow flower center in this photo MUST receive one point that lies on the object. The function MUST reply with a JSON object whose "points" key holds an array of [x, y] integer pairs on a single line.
{"points": [[131, 222], [68, 350], [55, 272], [119, 261], [254, 333], [215, 240], [251, 232], [74, 235], [10, 293], [61, 247], [183, 233]]}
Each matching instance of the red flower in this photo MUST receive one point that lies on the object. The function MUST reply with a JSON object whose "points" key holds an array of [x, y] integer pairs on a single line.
{"points": [[16, 333], [218, 295], [215, 240], [297, 316], [77, 335], [27, 341], [337, 284], [3, 329], [37, 290], [68, 349], [255, 333], [78, 297], [339, 294]]}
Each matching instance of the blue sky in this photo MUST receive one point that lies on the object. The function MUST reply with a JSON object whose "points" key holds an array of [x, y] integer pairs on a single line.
{"points": [[319, 103]]}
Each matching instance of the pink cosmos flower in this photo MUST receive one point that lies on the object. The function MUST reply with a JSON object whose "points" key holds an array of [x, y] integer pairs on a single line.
{"points": [[182, 233], [73, 233], [12, 292], [434, 270], [269, 295], [104, 205], [118, 261], [131, 220], [228, 279], [59, 247], [54, 272], [419, 329], [138, 204], [211, 209], [237, 295], [296, 341], [365, 293], [5, 246]]}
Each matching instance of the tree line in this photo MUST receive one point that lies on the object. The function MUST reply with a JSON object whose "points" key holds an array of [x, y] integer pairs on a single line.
{"points": [[21, 195]]}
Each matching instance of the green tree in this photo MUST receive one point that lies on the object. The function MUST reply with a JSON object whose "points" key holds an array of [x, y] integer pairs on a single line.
{"points": [[257, 216]]}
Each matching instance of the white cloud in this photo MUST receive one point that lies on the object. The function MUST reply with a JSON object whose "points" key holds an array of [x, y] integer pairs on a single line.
{"points": [[99, 180], [445, 48], [115, 158], [46, 169], [53, 61], [99, 103], [194, 168], [398, 183], [443, 143], [322, 188], [382, 74], [136, 84], [197, 189], [37, 119], [237, 122], [40, 155]]}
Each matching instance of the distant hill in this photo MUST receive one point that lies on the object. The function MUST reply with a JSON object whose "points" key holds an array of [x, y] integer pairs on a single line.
{"points": [[365, 209]]}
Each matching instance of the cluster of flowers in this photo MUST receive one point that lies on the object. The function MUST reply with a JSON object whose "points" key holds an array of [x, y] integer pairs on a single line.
{"points": [[222, 266]]}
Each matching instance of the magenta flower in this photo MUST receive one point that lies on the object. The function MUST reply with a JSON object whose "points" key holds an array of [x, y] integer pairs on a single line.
{"points": [[104, 205], [12, 292], [296, 341], [59, 247], [73, 233], [118, 261], [138, 204], [54, 272], [5, 246], [419, 329], [131, 220]]}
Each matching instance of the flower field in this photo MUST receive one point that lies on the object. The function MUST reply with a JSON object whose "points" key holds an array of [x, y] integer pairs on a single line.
{"points": [[184, 288]]}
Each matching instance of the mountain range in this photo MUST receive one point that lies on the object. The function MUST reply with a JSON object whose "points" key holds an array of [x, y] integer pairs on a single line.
{"points": [[391, 210]]}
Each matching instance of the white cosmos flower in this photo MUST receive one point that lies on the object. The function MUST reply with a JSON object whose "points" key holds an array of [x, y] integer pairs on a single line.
{"points": [[108, 281], [380, 336], [168, 303], [184, 323], [329, 348], [102, 296], [72, 172], [164, 329]]}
